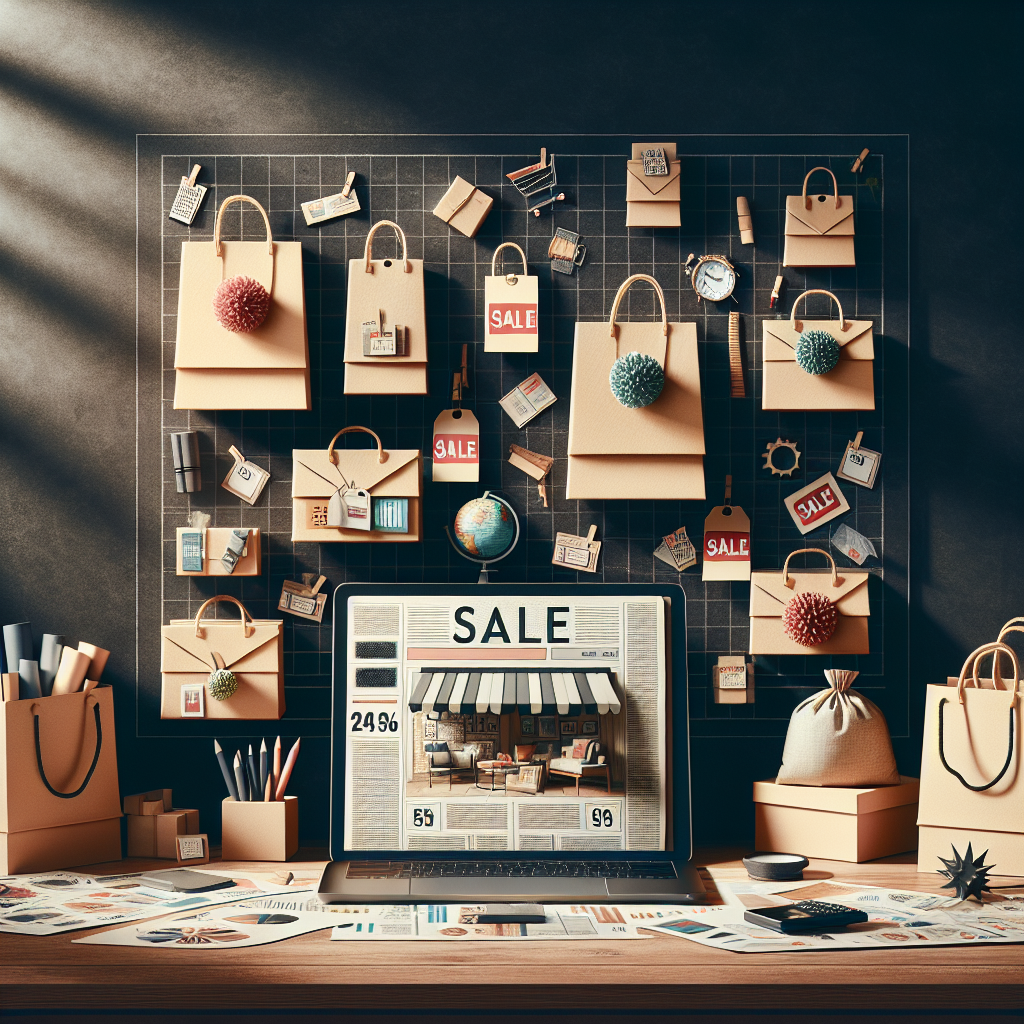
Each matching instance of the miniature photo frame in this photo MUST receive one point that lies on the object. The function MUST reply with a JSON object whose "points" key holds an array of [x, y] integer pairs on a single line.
{"points": [[576, 552], [547, 727], [527, 726], [193, 700], [245, 480], [192, 849], [588, 728], [859, 465], [569, 728]]}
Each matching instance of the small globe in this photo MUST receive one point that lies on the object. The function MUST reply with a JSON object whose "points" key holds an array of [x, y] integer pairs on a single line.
{"points": [[485, 528]]}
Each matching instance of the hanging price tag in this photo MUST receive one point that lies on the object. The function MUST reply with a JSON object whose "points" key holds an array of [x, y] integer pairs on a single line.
{"points": [[727, 542], [456, 448]]}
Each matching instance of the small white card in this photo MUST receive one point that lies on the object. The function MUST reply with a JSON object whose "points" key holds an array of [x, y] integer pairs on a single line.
{"points": [[859, 465], [318, 210], [246, 480], [526, 400], [193, 701]]}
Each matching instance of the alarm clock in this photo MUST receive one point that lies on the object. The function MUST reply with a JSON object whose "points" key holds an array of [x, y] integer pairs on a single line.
{"points": [[713, 277]]}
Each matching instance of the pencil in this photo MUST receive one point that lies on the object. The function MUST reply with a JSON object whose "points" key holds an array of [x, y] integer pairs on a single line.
{"points": [[277, 766], [224, 770], [286, 772], [243, 792], [267, 793], [254, 779], [264, 776]]}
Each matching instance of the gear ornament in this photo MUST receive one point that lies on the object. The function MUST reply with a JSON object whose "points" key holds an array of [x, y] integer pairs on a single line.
{"points": [[968, 875], [771, 447]]}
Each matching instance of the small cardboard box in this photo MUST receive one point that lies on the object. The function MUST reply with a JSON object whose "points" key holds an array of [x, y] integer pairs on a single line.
{"points": [[259, 830], [155, 802], [46, 849], [175, 822], [464, 207], [836, 823], [142, 835]]}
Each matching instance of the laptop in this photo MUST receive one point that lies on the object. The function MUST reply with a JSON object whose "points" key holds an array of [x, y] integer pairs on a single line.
{"points": [[510, 743]]}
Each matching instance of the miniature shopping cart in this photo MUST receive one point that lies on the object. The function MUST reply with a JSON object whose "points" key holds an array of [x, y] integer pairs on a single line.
{"points": [[538, 183]]}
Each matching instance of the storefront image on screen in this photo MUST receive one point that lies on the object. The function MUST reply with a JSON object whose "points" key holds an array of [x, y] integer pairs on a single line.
{"points": [[505, 723]]}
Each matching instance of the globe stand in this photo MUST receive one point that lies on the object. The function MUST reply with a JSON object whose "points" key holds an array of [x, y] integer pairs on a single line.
{"points": [[486, 563]]}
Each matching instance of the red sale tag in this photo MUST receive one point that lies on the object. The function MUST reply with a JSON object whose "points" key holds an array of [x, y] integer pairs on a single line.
{"points": [[817, 503], [512, 318], [727, 547], [456, 447]]}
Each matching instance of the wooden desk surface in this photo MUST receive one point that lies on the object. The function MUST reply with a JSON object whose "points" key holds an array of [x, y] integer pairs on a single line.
{"points": [[662, 973]]}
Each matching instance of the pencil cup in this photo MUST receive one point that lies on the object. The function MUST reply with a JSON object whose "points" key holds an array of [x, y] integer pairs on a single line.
{"points": [[259, 830]]}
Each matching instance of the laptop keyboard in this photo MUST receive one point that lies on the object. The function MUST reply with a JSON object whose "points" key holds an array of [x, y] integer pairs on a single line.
{"points": [[510, 869]]}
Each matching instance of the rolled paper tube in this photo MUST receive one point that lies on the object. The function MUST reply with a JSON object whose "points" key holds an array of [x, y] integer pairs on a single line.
{"points": [[49, 660], [98, 660], [28, 676], [746, 223], [71, 674], [17, 644]]}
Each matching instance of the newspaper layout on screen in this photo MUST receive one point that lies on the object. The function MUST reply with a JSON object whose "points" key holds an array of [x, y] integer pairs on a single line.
{"points": [[571, 689]]}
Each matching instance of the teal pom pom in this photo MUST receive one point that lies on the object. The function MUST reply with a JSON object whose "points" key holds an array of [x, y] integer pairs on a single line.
{"points": [[817, 352], [636, 379], [221, 684]]}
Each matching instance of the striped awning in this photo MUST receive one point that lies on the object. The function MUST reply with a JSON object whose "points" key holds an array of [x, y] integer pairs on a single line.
{"points": [[465, 691]]}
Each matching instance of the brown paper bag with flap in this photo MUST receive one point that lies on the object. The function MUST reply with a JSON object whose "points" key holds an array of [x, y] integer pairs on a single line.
{"points": [[251, 648], [850, 385], [971, 779], [771, 591], [58, 761], [318, 473], [819, 229], [267, 368], [652, 201], [394, 286], [654, 452]]}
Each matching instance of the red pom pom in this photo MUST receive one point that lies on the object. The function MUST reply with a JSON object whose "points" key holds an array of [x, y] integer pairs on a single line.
{"points": [[241, 304], [809, 619]]}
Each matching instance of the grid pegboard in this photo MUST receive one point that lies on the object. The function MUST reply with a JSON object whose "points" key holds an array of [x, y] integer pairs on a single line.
{"points": [[401, 179]]}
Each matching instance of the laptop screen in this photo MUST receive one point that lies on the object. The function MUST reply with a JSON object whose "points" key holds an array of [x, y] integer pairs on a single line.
{"points": [[476, 720]]}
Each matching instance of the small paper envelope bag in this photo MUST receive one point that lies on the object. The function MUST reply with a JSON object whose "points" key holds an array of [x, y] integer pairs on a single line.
{"points": [[265, 368], [652, 201], [318, 475], [191, 649], [971, 771], [652, 452], [464, 207], [772, 591], [393, 287], [58, 761], [838, 738], [510, 308], [849, 385], [819, 229]]}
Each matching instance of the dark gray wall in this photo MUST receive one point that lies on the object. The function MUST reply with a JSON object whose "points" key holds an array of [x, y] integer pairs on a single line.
{"points": [[79, 80]]}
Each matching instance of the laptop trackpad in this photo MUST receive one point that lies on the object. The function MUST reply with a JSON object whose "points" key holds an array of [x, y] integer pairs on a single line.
{"points": [[522, 888]]}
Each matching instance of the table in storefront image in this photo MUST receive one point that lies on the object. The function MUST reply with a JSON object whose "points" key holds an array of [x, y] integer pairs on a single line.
{"points": [[549, 979]]}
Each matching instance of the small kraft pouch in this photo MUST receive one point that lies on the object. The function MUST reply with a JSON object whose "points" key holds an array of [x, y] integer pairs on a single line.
{"points": [[819, 229], [510, 308], [652, 186], [385, 295], [797, 354], [351, 496], [464, 207]]}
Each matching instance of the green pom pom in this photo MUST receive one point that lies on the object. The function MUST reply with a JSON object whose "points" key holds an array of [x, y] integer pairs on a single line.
{"points": [[636, 379], [221, 684], [817, 352]]}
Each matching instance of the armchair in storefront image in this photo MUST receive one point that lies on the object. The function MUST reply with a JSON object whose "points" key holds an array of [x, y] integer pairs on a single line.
{"points": [[445, 763], [581, 761]]}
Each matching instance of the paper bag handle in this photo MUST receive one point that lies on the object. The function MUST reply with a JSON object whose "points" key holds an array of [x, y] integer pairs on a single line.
{"points": [[247, 627], [786, 582], [507, 245], [220, 215], [1013, 626], [835, 187], [795, 324], [368, 254], [95, 756], [612, 326], [973, 662], [332, 458]]}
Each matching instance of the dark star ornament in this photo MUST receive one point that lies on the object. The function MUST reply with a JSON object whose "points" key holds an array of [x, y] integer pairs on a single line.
{"points": [[968, 874]]}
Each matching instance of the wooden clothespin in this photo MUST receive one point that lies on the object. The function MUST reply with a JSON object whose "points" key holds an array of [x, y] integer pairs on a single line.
{"points": [[191, 179], [543, 158], [533, 465], [855, 444], [858, 164], [460, 380], [728, 491], [348, 184], [313, 588], [775, 292], [465, 367], [457, 389]]}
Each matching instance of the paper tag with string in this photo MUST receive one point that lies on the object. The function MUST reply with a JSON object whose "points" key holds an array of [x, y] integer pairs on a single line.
{"points": [[727, 541], [456, 447]]}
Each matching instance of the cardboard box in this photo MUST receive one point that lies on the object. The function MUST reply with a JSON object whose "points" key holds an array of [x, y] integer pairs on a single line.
{"points": [[46, 849], [155, 802], [836, 823], [142, 835], [259, 830], [176, 822], [464, 207], [1005, 849]]}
